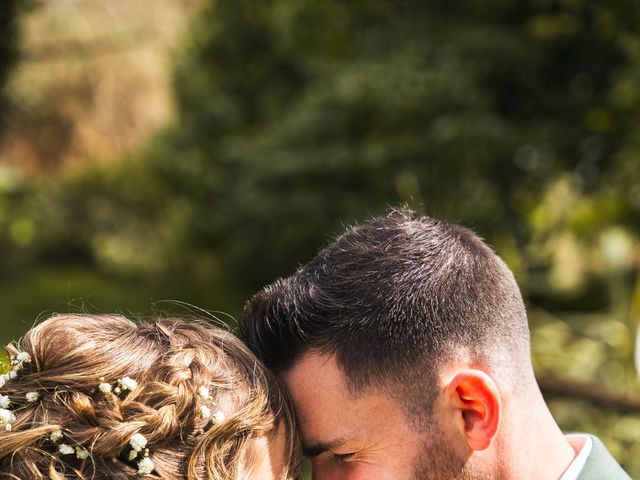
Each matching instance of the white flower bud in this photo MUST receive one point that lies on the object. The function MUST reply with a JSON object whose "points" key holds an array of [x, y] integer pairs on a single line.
{"points": [[128, 383], [145, 466], [6, 416], [219, 417], [4, 401], [105, 387], [65, 449], [203, 392], [138, 442], [23, 357], [81, 453], [205, 411], [32, 396], [56, 436]]}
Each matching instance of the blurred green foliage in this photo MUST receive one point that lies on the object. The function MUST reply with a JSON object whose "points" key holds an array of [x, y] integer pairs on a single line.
{"points": [[294, 119], [293, 113]]}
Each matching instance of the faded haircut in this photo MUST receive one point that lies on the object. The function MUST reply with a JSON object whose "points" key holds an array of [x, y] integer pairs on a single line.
{"points": [[393, 300]]}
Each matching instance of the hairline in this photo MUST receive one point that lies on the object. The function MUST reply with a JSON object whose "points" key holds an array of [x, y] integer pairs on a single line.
{"points": [[417, 408]]}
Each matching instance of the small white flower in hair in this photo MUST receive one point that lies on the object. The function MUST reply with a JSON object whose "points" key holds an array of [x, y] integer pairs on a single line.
{"points": [[203, 392], [12, 375], [56, 436], [4, 401], [205, 411], [219, 417], [3, 380], [138, 442], [65, 449], [145, 466], [128, 383], [7, 418], [105, 387], [133, 455], [32, 396], [23, 357], [81, 453]]}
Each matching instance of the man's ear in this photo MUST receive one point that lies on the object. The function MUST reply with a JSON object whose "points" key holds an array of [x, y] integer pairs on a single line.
{"points": [[473, 399]]}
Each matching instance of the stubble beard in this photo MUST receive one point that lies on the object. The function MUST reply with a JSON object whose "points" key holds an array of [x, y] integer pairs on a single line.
{"points": [[438, 461]]}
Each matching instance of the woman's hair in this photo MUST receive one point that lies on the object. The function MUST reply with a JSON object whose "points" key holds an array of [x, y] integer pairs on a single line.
{"points": [[88, 391]]}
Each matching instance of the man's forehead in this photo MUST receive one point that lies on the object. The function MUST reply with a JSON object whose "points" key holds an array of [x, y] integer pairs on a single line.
{"points": [[316, 384], [328, 414], [320, 397]]}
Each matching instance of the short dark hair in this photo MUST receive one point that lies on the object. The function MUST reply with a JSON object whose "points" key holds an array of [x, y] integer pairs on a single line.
{"points": [[392, 299]]}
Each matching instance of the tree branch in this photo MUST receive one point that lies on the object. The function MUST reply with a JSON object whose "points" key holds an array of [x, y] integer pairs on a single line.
{"points": [[591, 393]]}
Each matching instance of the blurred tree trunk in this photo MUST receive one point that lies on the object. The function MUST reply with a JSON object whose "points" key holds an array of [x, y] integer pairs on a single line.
{"points": [[594, 394], [8, 46]]}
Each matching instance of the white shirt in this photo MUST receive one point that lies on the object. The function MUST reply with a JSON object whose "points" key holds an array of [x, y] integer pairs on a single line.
{"points": [[582, 444]]}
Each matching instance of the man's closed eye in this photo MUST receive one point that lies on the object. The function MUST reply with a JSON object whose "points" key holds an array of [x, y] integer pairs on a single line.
{"points": [[343, 457]]}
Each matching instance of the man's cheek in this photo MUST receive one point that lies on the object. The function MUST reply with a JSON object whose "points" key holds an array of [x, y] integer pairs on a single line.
{"points": [[346, 471]]}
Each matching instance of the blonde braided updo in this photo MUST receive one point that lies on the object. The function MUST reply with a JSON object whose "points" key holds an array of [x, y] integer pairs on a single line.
{"points": [[172, 362]]}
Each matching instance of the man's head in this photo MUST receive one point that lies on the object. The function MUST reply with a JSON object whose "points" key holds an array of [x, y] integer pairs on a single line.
{"points": [[399, 343]]}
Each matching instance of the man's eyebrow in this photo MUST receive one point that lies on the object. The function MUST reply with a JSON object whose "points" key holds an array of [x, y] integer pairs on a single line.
{"points": [[315, 449]]}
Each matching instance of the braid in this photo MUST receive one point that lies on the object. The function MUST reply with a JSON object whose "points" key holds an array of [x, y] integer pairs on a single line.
{"points": [[102, 382]]}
